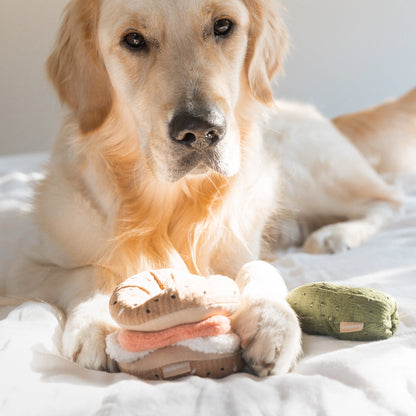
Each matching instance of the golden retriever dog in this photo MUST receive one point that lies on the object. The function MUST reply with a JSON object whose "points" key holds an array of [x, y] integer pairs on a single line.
{"points": [[164, 162]]}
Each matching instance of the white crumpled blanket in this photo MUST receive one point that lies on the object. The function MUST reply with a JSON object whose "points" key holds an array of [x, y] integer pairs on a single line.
{"points": [[332, 378]]}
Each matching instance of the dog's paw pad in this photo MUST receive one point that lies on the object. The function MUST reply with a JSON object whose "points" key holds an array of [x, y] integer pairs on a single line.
{"points": [[86, 346], [271, 336], [337, 238]]}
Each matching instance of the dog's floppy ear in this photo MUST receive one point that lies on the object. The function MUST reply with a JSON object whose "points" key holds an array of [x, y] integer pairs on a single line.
{"points": [[76, 66], [266, 48]]}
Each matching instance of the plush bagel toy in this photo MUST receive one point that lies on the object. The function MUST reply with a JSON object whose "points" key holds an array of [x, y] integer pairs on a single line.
{"points": [[173, 324]]}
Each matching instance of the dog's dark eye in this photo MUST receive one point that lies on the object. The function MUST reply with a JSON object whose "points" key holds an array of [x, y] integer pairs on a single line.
{"points": [[134, 41], [222, 27]]}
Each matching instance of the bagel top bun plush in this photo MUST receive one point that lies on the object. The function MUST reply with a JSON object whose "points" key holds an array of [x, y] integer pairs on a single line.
{"points": [[156, 300], [174, 323]]}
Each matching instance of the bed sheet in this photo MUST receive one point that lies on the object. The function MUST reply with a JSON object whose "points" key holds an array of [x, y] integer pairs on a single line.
{"points": [[332, 378]]}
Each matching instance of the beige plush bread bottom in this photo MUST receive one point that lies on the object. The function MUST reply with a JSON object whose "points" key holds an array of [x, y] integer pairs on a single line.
{"points": [[177, 361]]}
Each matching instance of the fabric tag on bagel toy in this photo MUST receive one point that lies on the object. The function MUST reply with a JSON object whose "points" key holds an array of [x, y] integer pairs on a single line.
{"points": [[173, 323], [355, 314]]}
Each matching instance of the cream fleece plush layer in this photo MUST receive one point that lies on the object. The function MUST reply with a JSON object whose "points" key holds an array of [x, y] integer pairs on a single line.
{"points": [[220, 344]]}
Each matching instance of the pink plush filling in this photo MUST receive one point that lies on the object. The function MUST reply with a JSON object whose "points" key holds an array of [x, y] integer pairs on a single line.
{"points": [[136, 341]]}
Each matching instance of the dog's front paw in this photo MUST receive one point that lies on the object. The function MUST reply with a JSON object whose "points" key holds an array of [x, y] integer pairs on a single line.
{"points": [[86, 346], [84, 337], [270, 335]]}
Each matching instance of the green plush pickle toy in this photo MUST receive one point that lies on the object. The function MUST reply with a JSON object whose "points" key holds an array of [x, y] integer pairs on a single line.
{"points": [[355, 314]]}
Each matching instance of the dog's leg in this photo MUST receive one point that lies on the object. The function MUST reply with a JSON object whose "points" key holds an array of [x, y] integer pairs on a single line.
{"points": [[267, 325], [326, 180], [343, 236], [75, 292], [88, 319]]}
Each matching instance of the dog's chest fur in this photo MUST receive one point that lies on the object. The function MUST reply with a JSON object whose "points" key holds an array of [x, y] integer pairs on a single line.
{"points": [[117, 217]]}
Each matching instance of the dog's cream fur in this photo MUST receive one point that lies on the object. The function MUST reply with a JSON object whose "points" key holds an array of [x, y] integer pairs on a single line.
{"points": [[118, 197]]}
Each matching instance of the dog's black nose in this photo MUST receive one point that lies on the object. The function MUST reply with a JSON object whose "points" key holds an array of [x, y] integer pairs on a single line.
{"points": [[198, 130]]}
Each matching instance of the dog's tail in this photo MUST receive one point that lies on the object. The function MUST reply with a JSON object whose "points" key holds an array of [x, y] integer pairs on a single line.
{"points": [[385, 134]]}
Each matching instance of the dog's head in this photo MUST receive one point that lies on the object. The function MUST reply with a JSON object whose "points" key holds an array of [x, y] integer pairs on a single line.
{"points": [[184, 68]]}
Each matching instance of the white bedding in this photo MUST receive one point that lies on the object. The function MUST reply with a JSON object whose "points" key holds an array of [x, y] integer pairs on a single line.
{"points": [[333, 377]]}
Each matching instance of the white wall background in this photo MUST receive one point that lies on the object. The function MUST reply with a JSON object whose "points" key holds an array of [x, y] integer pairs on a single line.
{"points": [[29, 112], [345, 55], [349, 54]]}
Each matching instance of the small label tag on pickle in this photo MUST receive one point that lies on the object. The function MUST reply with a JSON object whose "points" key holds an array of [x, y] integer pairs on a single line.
{"points": [[346, 327]]}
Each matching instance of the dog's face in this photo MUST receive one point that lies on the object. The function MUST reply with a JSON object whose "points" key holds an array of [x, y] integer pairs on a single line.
{"points": [[182, 67], [177, 63]]}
